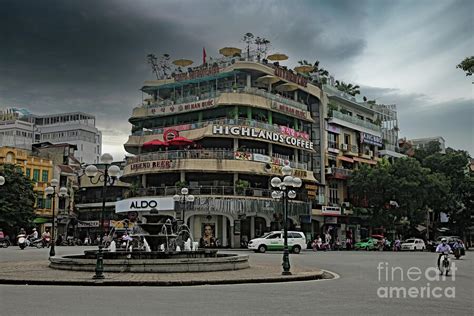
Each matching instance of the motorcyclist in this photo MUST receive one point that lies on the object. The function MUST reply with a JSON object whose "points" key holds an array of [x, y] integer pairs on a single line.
{"points": [[34, 234], [46, 236], [442, 248]]}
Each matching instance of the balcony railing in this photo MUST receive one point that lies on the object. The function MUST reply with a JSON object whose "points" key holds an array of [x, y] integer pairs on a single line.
{"points": [[211, 190], [207, 154], [341, 172], [214, 94], [355, 121]]}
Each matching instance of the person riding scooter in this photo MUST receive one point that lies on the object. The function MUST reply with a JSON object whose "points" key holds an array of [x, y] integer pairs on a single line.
{"points": [[46, 238], [442, 248]]}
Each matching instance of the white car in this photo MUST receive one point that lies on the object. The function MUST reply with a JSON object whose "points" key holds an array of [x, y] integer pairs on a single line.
{"points": [[274, 241], [413, 244]]}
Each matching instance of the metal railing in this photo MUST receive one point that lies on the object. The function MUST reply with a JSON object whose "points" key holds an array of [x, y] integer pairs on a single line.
{"points": [[355, 120], [216, 93], [205, 154], [341, 171], [210, 190]]}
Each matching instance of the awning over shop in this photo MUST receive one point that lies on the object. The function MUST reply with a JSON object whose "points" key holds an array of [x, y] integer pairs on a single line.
{"points": [[370, 162], [40, 220], [344, 158]]}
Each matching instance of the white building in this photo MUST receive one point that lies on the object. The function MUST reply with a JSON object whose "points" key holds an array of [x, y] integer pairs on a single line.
{"points": [[16, 130], [19, 128], [422, 142], [74, 128]]}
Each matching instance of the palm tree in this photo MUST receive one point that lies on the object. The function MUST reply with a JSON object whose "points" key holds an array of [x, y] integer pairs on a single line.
{"points": [[321, 74], [347, 88]]}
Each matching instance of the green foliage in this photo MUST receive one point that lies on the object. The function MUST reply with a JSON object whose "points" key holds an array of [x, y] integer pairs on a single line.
{"points": [[180, 184], [241, 185], [467, 65], [347, 88], [432, 147], [17, 198]]}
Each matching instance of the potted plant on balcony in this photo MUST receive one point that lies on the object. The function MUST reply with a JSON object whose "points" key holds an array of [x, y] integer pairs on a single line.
{"points": [[180, 184], [241, 185]]}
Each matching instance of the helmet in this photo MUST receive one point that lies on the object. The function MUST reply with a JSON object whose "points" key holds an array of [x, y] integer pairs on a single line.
{"points": [[444, 240], [34, 229]]}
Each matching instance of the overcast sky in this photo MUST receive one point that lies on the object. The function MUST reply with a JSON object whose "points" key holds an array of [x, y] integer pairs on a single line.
{"points": [[89, 55]]}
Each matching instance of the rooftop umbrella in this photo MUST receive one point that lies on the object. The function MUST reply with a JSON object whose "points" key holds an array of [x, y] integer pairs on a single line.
{"points": [[230, 51], [304, 69], [268, 79], [287, 87], [180, 141], [182, 62], [155, 143], [277, 57]]}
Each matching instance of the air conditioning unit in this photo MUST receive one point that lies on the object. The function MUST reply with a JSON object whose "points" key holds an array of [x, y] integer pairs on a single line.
{"points": [[328, 170], [344, 147]]}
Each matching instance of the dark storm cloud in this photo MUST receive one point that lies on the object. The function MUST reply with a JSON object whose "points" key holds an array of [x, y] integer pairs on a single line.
{"points": [[419, 117], [89, 55]]}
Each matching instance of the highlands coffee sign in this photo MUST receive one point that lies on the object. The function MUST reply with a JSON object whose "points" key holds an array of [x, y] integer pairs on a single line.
{"points": [[144, 204], [257, 133]]}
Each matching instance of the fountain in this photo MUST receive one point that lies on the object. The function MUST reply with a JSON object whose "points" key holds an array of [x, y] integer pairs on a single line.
{"points": [[157, 244]]}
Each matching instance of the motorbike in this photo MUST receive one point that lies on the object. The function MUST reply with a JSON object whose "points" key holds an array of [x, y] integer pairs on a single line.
{"points": [[4, 243], [46, 241], [445, 264], [22, 241], [38, 243]]}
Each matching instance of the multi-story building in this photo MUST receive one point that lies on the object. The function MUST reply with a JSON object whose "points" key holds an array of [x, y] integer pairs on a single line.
{"points": [[223, 131], [38, 169], [19, 128], [357, 133], [16, 130], [74, 128]]}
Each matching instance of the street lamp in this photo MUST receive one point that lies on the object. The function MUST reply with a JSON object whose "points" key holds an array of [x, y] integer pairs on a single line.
{"points": [[111, 172], [284, 191], [2, 180], [51, 192], [182, 199]]}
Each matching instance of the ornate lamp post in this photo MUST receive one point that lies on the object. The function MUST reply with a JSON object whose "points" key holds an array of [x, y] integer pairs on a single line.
{"points": [[51, 192], [182, 199], [2, 180], [284, 191], [109, 176]]}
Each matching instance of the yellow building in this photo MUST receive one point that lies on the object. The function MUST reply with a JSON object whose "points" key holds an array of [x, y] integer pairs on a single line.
{"points": [[39, 170]]}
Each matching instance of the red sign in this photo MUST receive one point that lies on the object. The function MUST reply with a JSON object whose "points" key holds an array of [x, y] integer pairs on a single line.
{"points": [[291, 132], [288, 109], [290, 76], [198, 73]]}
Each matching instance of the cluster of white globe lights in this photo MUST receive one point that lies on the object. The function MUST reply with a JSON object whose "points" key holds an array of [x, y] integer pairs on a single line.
{"points": [[288, 182]]}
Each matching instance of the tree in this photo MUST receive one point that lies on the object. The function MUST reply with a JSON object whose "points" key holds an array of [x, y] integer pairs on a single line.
{"points": [[248, 38], [467, 65], [17, 198], [347, 88], [432, 147], [459, 200]]}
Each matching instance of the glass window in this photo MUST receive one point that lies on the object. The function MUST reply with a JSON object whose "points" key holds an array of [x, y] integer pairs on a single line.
{"points": [[274, 236], [44, 176], [28, 173], [36, 175]]}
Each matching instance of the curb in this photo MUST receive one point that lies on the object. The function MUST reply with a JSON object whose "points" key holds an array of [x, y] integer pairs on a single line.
{"points": [[316, 276]]}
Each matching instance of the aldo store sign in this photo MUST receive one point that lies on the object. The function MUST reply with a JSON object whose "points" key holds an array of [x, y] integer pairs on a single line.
{"points": [[144, 204]]}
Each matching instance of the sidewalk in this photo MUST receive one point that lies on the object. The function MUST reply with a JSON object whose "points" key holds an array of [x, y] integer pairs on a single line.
{"points": [[38, 272]]}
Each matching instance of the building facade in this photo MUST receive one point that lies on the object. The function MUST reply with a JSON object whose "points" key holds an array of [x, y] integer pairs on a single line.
{"points": [[357, 133], [16, 130], [223, 131], [74, 128], [39, 170]]}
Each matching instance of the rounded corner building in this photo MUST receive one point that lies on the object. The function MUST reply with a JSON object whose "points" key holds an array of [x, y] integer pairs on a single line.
{"points": [[223, 130]]}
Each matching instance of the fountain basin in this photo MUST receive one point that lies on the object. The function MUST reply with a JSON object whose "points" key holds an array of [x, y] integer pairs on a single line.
{"points": [[153, 262]]}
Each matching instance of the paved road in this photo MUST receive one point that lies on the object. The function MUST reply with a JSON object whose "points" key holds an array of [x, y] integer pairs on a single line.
{"points": [[355, 292]]}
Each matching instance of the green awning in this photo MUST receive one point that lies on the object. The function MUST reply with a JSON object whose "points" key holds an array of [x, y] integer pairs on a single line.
{"points": [[40, 220]]}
